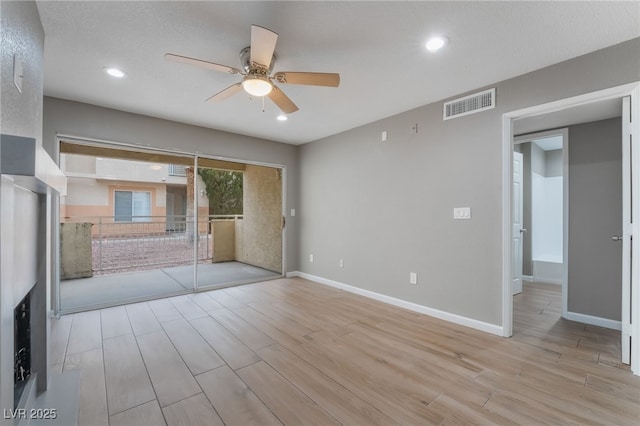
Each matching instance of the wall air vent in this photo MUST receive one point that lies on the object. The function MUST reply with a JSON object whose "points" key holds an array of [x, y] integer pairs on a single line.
{"points": [[469, 104]]}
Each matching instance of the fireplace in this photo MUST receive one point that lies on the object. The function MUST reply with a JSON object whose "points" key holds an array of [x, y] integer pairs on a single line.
{"points": [[29, 182], [22, 347]]}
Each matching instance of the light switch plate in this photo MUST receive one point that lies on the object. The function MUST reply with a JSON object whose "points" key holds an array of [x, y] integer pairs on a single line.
{"points": [[18, 73], [293, 212]]}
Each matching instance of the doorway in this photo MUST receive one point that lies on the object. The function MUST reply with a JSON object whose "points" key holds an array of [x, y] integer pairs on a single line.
{"points": [[542, 194], [534, 116]]}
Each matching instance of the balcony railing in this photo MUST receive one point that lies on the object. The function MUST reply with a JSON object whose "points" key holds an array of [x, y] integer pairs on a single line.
{"points": [[150, 242]]}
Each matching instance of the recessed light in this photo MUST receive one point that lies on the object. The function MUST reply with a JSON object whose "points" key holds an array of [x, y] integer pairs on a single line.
{"points": [[282, 118], [436, 43], [115, 72]]}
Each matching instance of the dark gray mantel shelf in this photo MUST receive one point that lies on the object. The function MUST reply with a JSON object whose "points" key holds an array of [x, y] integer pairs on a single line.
{"points": [[30, 165]]}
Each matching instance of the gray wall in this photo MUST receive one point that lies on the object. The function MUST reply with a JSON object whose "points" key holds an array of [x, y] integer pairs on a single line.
{"points": [[595, 212], [21, 114], [386, 207], [89, 121], [553, 163]]}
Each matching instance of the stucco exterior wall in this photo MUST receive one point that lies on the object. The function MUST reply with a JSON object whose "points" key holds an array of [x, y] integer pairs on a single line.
{"points": [[223, 240], [262, 223]]}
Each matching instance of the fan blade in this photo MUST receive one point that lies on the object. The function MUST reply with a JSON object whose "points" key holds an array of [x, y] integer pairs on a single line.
{"points": [[201, 63], [226, 93], [308, 78], [263, 44], [282, 101]]}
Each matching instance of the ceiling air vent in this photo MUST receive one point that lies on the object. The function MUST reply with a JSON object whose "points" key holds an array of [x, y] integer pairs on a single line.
{"points": [[469, 104]]}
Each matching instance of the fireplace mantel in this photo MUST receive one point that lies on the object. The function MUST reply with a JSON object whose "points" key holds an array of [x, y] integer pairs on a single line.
{"points": [[30, 165]]}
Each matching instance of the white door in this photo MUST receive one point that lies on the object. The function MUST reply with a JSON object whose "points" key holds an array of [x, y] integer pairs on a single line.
{"points": [[626, 230], [516, 228]]}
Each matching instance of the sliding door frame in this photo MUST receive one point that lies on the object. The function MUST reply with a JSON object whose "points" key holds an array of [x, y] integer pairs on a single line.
{"points": [[102, 143]]}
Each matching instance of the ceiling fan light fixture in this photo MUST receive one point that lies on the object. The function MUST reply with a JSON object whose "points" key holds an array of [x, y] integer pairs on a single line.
{"points": [[257, 62], [257, 85], [282, 117]]}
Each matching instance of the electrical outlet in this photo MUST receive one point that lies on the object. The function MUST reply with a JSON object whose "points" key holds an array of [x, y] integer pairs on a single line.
{"points": [[341, 263], [462, 212], [311, 258], [383, 137], [413, 278]]}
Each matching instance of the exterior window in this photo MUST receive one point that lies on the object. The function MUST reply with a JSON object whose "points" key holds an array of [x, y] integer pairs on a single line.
{"points": [[177, 170], [132, 206]]}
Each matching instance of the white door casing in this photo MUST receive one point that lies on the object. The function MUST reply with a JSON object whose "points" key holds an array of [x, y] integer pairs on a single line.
{"points": [[618, 92], [517, 228], [627, 229]]}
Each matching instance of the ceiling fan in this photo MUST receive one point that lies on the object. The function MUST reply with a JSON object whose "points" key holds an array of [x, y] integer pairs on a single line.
{"points": [[257, 63]]}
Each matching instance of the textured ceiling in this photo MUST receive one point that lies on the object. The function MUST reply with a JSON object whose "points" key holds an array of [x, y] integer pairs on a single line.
{"points": [[377, 47]]}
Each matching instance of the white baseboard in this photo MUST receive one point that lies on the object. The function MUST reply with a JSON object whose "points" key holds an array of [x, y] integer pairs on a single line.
{"points": [[546, 280], [456, 319], [589, 319], [527, 277], [548, 271]]}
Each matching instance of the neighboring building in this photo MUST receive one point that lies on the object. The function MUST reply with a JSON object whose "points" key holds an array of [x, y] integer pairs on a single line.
{"points": [[119, 192]]}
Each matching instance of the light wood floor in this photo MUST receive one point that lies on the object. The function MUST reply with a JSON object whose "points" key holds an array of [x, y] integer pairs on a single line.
{"points": [[294, 352]]}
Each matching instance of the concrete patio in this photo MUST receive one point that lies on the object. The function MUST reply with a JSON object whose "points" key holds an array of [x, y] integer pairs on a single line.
{"points": [[107, 290]]}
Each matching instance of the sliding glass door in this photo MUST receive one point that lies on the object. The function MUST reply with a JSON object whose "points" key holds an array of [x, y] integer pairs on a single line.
{"points": [[242, 225], [122, 227], [137, 225]]}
